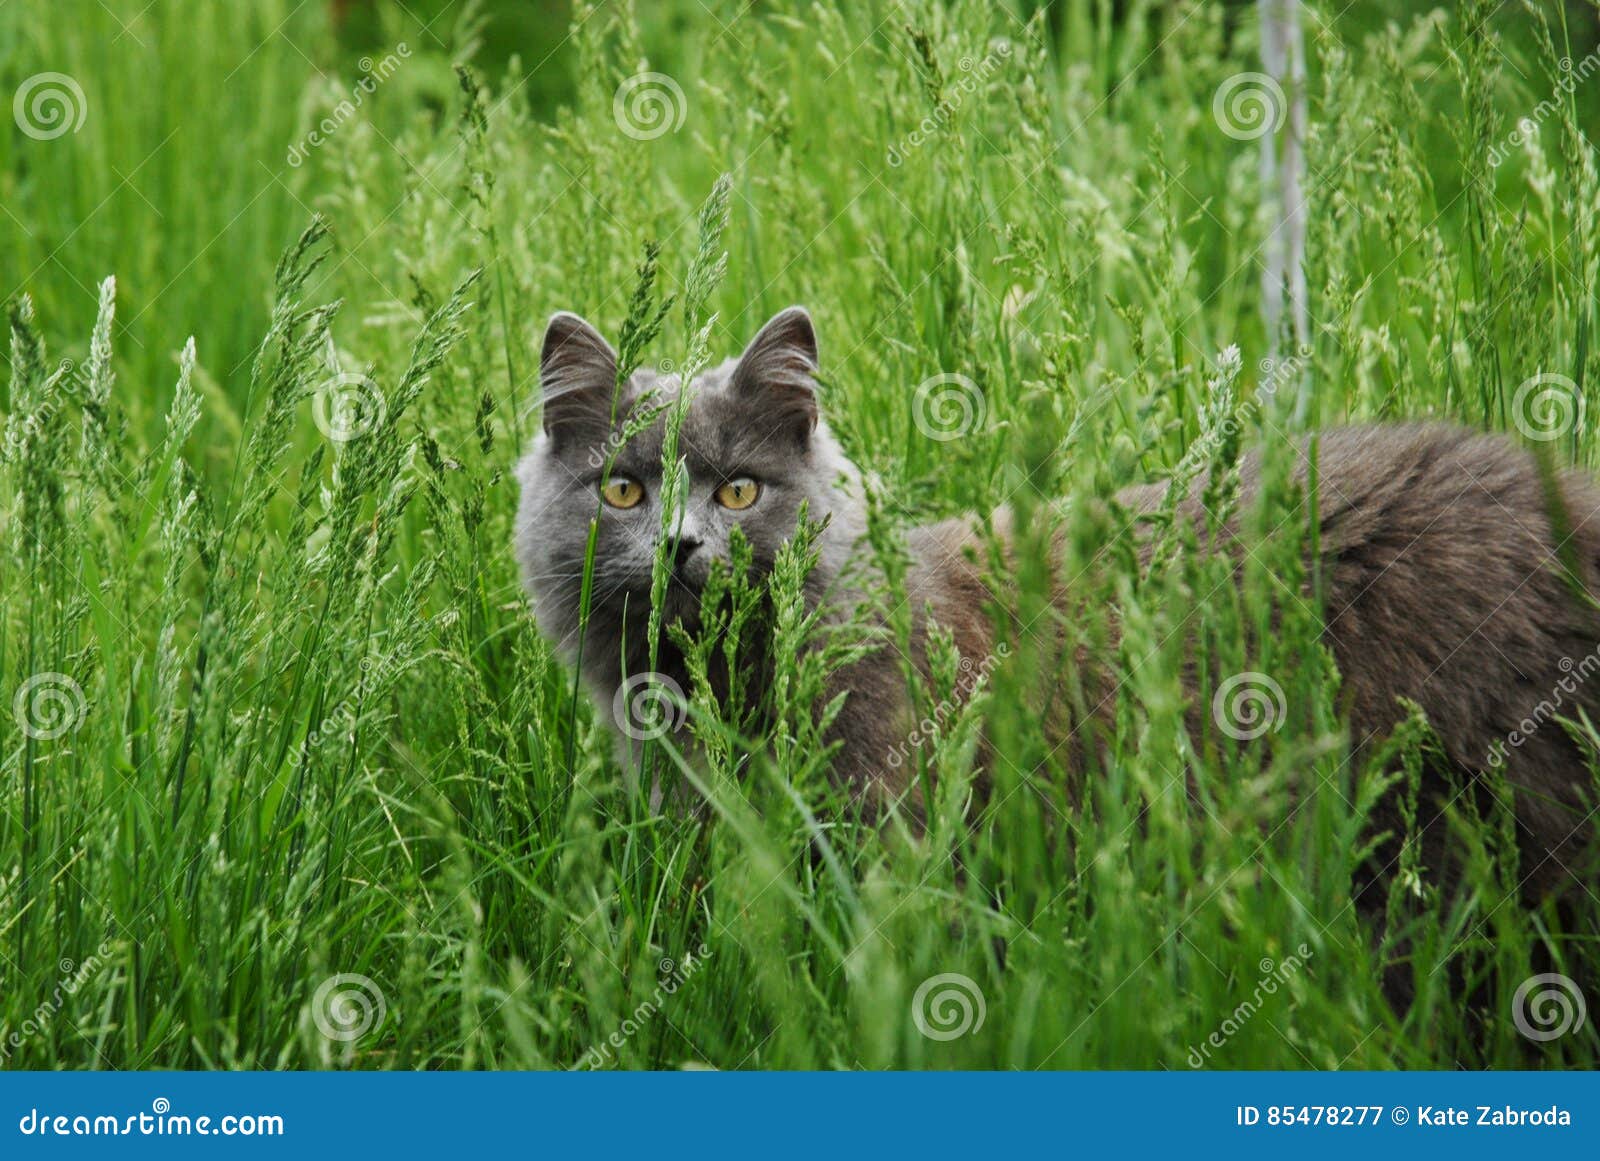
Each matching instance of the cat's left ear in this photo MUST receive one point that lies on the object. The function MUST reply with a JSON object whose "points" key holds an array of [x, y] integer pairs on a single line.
{"points": [[777, 370]]}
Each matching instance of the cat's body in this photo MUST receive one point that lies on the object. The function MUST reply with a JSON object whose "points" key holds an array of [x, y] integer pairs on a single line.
{"points": [[1439, 557]]}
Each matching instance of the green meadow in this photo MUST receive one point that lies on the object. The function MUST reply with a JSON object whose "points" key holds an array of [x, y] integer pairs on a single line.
{"points": [[290, 779]]}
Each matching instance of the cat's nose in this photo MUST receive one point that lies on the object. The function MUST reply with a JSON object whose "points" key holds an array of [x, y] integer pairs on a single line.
{"points": [[684, 547]]}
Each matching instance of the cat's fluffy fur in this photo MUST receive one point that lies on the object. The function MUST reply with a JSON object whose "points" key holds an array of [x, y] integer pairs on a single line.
{"points": [[1441, 574]]}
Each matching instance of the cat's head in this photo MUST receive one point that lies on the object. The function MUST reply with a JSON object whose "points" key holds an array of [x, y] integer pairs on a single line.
{"points": [[752, 439]]}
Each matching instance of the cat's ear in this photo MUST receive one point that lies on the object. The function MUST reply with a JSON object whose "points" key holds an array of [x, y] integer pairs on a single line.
{"points": [[777, 370], [578, 375]]}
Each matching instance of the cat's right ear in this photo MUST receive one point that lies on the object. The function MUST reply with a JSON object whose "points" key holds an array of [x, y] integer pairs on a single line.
{"points": [[577, 375], [778, 370]]}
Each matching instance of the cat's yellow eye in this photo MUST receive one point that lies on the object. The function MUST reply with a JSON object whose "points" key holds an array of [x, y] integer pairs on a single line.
{"points": [[738, 494], [621, 492]]}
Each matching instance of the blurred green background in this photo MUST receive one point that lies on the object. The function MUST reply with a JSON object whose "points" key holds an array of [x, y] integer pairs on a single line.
{"points": [[178, 183]]}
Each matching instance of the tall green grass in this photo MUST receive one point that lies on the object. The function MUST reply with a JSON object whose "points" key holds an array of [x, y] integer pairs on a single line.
{"points": [[319, 736]]}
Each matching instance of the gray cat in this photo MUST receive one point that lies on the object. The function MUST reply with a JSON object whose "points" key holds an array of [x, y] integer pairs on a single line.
{"points": [[1439, 555]]}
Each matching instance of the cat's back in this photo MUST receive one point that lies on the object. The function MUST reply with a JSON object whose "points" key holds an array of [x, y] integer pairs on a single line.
{"points": [[1457, 574], [1461, 492], [1440, 543]]}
